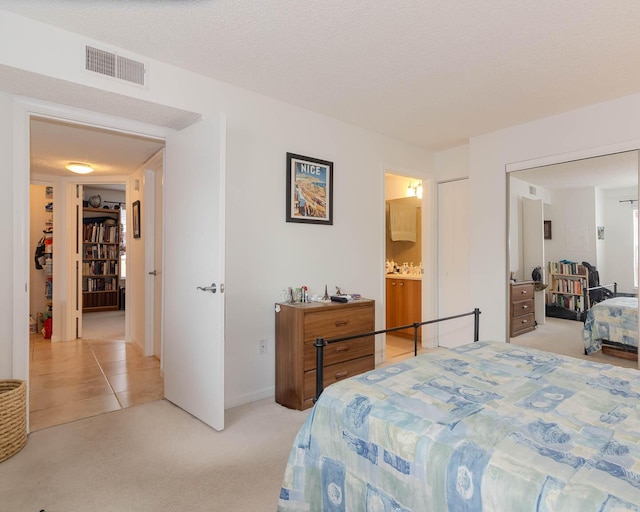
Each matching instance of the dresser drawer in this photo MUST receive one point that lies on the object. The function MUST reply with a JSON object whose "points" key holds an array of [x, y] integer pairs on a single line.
{"points": [[522, 323], [522, 307], [338, 352], [521, 291], [336, 323], [336, 372]]}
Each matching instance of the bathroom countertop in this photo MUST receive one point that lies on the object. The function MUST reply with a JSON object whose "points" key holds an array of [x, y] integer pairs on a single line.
{"points": [[413, 277]]}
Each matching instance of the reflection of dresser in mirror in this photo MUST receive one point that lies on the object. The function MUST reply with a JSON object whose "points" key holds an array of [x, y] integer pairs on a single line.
{"points": [[522, 308]]}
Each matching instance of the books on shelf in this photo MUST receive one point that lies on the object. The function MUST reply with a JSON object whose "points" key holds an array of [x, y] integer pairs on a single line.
{"points": [[99, 284], [566, 268], [564, 285], [100, 268], [572, 302], [101, 259], [100, 232], [569, 280], [100, 251]]}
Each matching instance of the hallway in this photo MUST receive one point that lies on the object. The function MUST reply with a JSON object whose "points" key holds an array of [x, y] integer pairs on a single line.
{"points": [[71, 380]]}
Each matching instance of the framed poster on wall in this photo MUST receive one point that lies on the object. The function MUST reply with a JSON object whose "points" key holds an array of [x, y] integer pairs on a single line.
{"points": [[309, 190]]}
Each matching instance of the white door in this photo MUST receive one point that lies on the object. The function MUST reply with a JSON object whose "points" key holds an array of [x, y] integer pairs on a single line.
{"points": [[454, 287], [153, 233], [157, 257], [193, 259], [533, 247]]}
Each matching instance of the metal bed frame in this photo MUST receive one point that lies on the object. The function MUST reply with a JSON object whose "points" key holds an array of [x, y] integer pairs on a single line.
{"points": [[585, 294], [320, 342]]}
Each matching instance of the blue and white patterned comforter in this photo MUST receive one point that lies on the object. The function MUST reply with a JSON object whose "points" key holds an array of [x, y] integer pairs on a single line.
{"points": [[483, 427], [613, 320]]}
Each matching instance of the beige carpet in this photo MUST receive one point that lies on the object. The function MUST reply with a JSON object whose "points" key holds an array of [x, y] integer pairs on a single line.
{"points": [[154, 457], [103, 325], [565, 337]]}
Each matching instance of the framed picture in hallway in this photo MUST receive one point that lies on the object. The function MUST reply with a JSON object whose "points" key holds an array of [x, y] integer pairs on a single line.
{"points": [[309, 190], [136, 219]]}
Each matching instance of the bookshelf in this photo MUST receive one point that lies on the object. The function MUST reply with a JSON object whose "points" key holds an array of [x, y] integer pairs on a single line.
{"points": [[100, 259], [565, 295]]}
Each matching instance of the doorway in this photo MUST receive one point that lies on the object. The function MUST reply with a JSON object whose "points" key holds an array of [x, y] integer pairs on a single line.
{"points": [[93, 362], [403, 265], [187, 342]]}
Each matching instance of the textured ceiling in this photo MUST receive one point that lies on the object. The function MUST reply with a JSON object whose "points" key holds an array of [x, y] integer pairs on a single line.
{"points": [[430, 72], [607, 172]]}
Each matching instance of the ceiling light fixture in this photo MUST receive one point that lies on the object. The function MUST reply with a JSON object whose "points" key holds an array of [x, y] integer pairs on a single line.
{"points": [[79, 168]]}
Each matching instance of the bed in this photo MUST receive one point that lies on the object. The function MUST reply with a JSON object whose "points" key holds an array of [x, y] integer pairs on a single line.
{"points": [[612, 323], [485, 426]]}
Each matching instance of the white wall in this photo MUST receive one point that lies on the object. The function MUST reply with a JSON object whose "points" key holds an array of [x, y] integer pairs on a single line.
{"points": [[573, 225], [395, 186], [604, 127], [519, 189], [108, 196], [601, 257], [618, 239], [264, 254], [135, 292], [6, 234], [38, 278]]}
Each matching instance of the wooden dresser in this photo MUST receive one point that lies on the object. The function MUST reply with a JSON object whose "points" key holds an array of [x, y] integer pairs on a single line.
{"points": [[298, 326], [522, 308]]}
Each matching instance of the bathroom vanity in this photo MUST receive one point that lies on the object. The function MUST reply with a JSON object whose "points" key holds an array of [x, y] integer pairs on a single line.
{"points": [[404, 302]]}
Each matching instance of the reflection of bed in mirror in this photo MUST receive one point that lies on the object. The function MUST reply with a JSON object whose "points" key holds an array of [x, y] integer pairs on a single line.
{"points": [[611, 325]]}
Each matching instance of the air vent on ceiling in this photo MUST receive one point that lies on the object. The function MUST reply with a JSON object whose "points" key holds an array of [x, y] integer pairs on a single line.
{"points": [[532, 190], [115, 66]]}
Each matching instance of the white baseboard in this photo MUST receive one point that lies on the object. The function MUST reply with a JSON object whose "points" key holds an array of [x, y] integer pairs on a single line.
{"points": [[250, 397]]}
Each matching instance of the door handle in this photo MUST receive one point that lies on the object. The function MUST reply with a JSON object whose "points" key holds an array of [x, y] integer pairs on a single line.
{"points": [[153, 273], [211, 288]]}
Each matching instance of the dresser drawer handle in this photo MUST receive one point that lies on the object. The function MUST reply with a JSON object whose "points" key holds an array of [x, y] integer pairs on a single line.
{"points": [[340, 375], [341, 322], [342, 348], [524, 292], [525, 307], [525, 321]]}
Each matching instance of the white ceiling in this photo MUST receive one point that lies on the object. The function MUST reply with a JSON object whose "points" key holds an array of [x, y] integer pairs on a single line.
{"points": [[607, 172], [54, 144], [430, 72]]}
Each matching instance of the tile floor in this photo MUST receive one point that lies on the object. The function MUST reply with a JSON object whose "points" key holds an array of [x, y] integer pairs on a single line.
{"points": [[399, 348], [71, 380]]}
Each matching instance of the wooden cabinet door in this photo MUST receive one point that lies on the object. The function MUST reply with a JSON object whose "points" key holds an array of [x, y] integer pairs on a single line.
{"points": [[404, 304], [393, 303]]}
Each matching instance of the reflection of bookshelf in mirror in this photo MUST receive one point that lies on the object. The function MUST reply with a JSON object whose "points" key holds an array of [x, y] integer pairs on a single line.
{"points": [[565, 295], [100, 259]]}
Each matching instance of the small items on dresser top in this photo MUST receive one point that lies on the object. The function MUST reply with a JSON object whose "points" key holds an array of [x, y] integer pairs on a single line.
{"points": [[301, 294]]}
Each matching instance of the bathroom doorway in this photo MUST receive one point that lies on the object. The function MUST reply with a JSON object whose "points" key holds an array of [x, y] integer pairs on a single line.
{"points": [[403, 265]]}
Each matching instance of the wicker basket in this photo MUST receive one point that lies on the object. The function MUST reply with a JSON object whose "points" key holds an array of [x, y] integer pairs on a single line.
{"points": [[13, 417]]}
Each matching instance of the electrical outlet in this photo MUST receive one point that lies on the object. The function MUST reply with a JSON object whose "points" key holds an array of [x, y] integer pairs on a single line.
{"points": [[262, 347]]}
